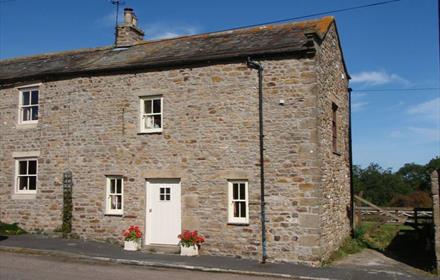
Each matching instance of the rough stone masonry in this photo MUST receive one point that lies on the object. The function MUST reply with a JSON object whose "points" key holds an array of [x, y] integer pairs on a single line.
{"points": [[89, 124]]}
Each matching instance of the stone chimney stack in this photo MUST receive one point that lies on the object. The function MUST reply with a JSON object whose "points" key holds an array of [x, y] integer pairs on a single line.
{"points": [[127, 33]]}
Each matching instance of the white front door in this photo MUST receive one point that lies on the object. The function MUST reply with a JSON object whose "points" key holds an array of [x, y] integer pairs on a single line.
{"points": [[163, 218]]}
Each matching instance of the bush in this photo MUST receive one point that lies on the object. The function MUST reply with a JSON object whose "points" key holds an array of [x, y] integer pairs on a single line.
{"points": [[11, 229], [416, 199]]}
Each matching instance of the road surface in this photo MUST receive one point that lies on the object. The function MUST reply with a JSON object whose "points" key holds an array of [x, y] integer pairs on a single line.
{"points": [[31, 267]]}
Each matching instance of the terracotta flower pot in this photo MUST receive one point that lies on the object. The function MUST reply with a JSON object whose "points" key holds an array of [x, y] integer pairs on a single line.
{"points": [[189, 251], [131, 245]]}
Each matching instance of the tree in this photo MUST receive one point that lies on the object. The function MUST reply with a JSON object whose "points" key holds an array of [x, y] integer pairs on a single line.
{"points": [[378, 185], [415, 176], [409, 186]]}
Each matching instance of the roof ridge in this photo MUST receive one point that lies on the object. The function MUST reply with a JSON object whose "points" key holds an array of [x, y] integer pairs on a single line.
{"points": [[226, 31], [214, 33]]}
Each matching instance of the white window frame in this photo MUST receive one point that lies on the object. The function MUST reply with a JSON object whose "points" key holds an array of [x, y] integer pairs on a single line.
{"points": [[231, 201], [142, 115], [18, 175], [108, 210], [21, 106]]}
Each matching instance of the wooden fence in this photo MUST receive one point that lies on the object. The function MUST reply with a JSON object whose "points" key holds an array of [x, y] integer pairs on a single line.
{"points": [[411, 216]]}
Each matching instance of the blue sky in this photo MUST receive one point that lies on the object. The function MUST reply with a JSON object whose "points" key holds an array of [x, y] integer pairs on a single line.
{"points": [[393, 46]]}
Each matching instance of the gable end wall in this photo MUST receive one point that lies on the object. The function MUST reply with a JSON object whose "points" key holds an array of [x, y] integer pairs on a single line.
{"points": [[335, 168]]}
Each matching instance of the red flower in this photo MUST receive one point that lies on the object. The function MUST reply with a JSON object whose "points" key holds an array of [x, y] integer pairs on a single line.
{"points": [[132, 233], [190, 238]]}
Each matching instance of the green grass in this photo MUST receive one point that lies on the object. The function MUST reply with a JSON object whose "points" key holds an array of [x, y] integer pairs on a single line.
{"points": [[350, 246], [379, 236], [10, 229]]}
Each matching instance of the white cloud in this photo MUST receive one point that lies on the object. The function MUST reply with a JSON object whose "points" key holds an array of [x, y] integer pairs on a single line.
{"points": [[358, 106], [396, 133], [429, 109], [162, 30], [416, 135], [426, 134], [374, 78], [152, 30]]}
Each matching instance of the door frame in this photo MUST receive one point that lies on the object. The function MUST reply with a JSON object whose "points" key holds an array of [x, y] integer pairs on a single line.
{"points": [[148, 202]]}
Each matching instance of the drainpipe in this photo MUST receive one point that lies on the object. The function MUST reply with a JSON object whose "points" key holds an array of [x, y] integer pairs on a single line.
{"points": [[257, 66], [352, 225]]}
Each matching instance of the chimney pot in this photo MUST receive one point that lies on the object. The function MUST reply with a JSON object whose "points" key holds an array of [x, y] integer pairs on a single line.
{"points": [[129, 16], [127, 33]]}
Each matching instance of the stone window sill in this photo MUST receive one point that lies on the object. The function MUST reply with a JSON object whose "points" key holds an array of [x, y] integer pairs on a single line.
{"points": [[113, 215], [238, 224], [24, 196], [26, 125], [149, 132]]}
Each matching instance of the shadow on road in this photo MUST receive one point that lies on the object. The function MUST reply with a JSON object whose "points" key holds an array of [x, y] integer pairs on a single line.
{"points": [[2, 237], [414, 248]]}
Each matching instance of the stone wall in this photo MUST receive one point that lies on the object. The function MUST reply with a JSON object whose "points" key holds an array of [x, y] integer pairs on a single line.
{"points": [[435, 188], [334, 190], [89, 125]]}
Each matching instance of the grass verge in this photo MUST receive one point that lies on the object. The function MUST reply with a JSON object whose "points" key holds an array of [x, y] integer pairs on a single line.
{"points": [[10, 229]]}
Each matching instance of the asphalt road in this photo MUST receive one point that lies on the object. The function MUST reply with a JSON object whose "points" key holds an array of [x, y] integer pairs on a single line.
{"points": [[24, 267]]}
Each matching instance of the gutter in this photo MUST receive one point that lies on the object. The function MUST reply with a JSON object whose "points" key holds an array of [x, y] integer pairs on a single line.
{"points": [[257, 66], [352, 225]]}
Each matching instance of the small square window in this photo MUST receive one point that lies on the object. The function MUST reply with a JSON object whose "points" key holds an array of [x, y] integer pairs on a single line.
{"points": [[165, 194], [151, 114], [114, 193]]}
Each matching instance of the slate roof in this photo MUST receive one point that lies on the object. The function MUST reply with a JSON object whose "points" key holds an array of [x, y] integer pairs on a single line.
{"points": [[261, 40]]}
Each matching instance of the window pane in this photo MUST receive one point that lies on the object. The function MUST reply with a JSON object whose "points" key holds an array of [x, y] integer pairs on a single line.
{"points": [[22, 183], [34, 97], [168, 197], [167, 190], [32, 167], [119, 202], [236, 209], [147, 106], [25, 98], [149, 122], [26, 113], [162, 197], [22, 167], [157, 121], [119, 185], [156, 106], [34, 113], [112, 186], [242, 209], [242, 191], [235, 191], [113, 202], [32, 183]]}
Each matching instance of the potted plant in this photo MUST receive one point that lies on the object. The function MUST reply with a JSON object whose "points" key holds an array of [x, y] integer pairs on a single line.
{"points": [[190, 242], [132, 238]]}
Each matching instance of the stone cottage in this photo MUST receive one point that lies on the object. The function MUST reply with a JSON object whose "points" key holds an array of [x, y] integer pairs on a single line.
{"points": [[165, 134]]}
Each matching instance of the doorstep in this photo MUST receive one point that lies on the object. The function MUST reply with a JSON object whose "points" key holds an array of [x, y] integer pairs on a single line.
{"points": [[161, 249]]}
